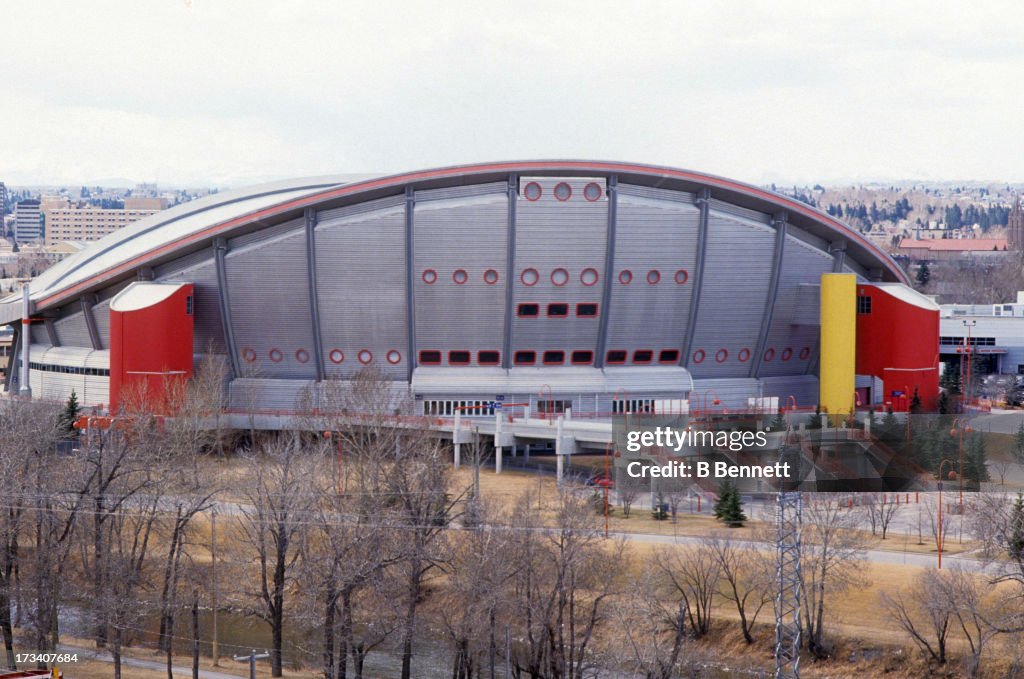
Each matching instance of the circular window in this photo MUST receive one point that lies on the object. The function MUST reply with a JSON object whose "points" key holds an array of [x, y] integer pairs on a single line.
{"points": [[682, 276], [276, 356], [529, 277], [490, 277], [698, 356], [592, 191], [559, 277], [302, 356], [744, 355], [429, 276], [533, 191], [653, 276], [769, 354], [721, 355], [563, 191], [249, 354], [394, 357], [625, 276], [336, 356], [805, 353], [787, 354], [460, 276], [365, 356], [589, 276]]}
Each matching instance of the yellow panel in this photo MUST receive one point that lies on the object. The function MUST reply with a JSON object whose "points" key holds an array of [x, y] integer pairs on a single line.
{"points": [[838, 342]]}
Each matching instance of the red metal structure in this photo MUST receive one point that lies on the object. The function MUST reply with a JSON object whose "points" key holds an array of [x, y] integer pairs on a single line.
{"points": [[898, 341]]}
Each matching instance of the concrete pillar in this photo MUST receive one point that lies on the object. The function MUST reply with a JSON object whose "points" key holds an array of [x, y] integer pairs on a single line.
{"points": [[559, 457], [497, 441], [455, 438], [25, 389], [497, 459], [526, 453]]}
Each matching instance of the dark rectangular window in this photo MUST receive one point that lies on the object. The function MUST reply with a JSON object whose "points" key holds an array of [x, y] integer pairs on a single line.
{"points": [[525, 357], [458, 357], [615, 356], [527, 310], [863, 304], [558, 310], [188, 305], [430, 357], [582, 357], [643, 356], [488, 357], [586, 309], [554, 357], [668, 356]]}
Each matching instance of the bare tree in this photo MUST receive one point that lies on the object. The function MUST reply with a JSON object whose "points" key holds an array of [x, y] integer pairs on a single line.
{"points": [[923, 614], [831, 549], [747, 571], [689, 577], [880, 511], [1002, 467], [650, 630]]}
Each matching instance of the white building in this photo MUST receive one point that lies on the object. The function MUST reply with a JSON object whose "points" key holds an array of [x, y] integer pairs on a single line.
{"points": [[28, 224], [994, 333]]}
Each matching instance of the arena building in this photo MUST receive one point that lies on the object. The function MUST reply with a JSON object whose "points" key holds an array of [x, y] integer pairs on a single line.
{"points": [[594, 287]]}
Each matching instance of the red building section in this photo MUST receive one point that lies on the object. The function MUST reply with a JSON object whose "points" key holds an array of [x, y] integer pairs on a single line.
{"points": [[151, 327], [898, 341]]}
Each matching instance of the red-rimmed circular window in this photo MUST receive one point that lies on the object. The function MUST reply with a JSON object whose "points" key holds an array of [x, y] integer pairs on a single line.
{"points": [[563, 191], [365, 356], [805, 353], [592, 191], [625, 276], [302, 356], [769, 354], [460, 276], [336, 356], [589, 276], [559, 277], [529, 276], [698, 356], [653, 277], [249, 354], [490, 277], [721, 355], [533, 191], [787, 354], [682, 276], [394, 358], [276, 356], [744, 355], [429, 276]]}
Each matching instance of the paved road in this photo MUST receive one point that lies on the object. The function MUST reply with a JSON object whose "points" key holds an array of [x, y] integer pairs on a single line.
{"points": [[157, 665]]}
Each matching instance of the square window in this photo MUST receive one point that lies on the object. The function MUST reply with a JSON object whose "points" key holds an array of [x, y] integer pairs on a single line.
{"points": [[527, 310], [668, 356], [643, 356], [488, 357], [458, 357], [558, 310], [429, 357], [863, 304], [554, 357], [525, 357], [582, 357], [586, 310], [615, 356]]}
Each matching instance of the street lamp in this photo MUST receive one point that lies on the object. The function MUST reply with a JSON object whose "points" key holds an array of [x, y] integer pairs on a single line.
{"points": [[969, 349], [960, 425], [938, 529], [607, 482]]}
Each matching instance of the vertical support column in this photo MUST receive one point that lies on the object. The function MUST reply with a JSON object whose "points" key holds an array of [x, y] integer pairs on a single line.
{"points": [[559, 457], [457, 462], [90, 321], [779, 222], [838, 343], [314, 300], [526, 453], [510, 264], [704, 205], [51, 332], [25, 389], [609, 268], [410, 291], [220, 249], [497, 442], [838, 251]]}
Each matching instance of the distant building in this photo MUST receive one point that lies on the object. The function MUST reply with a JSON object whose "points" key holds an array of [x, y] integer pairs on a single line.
{"points": [[940, 249], [28, 221], [1015, 227], [88, 223], [145, 203], [3, 199], [993, 334]]}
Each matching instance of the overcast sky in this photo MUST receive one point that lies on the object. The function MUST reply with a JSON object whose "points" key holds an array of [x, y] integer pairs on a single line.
{"points": [[228, 93]]}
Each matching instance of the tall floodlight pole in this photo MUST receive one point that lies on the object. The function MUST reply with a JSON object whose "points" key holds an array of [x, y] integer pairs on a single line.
{"points": [[788, 519], [25, 388]]}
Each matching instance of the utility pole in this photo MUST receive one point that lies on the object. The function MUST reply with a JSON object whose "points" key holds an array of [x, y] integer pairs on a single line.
{"points": [[213, 572], [788, 527]]}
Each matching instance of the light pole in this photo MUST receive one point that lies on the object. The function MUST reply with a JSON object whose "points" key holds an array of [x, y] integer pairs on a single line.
{"points": [[959, 427], [969, 348], [607, 482], [938, 529]]}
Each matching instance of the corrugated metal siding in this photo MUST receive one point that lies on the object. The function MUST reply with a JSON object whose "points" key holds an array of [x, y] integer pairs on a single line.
{"points": [[459, 192], [802, 265], [209, 329], [541, 381], [37, 331], [270, 305], [263, 395], [91, 390], [652, 234], [361, 272], [72, 330], [803, 388], [733, 393], [734, 292], [551, 234], [101, 314], [469, 234]]}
